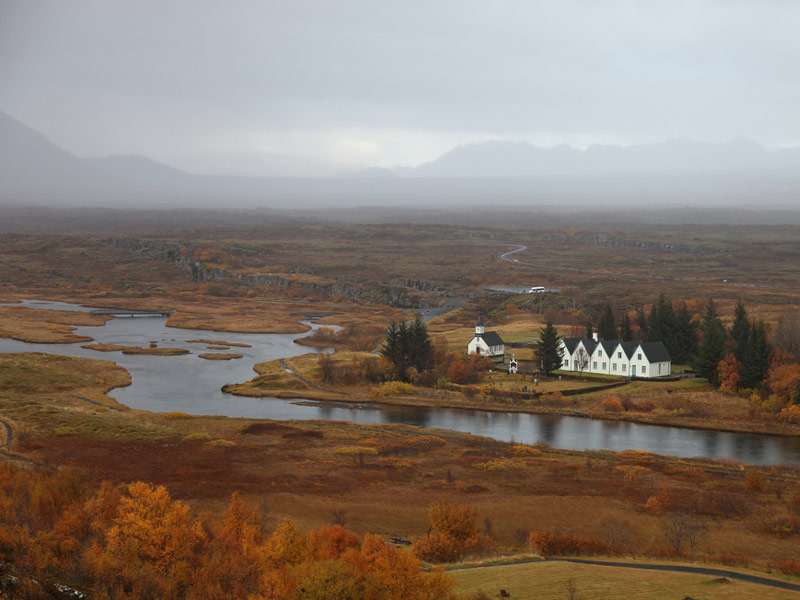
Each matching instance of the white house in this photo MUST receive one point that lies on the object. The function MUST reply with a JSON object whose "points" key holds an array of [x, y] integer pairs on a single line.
{"points": [[615, 357], [487, 343]]}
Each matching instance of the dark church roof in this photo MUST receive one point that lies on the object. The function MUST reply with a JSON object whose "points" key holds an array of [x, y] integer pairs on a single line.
{"points": [[492, 339]]}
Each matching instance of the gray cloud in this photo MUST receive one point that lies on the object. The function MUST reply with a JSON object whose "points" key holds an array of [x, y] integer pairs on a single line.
{"points": [[170, 78]]}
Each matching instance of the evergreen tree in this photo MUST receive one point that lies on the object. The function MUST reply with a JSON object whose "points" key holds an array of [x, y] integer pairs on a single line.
{"points": [[641, 323], [740, 333], [420, 347], [625, 327], [661, 326], [755, 358], [607, 327], [407, 346], [712, 347], [548, 352], [394, 350], [685, 337], [589, 330]]}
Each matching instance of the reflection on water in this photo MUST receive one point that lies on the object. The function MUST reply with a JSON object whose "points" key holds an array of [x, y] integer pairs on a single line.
{"points": [[190, 384]]}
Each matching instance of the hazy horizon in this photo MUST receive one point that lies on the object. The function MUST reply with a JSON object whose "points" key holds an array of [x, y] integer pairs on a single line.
{"points": [[313, 88]]}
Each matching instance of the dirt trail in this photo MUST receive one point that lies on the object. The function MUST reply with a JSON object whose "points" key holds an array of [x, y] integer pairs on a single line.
{"points": [[9, 434], [7, 444]]}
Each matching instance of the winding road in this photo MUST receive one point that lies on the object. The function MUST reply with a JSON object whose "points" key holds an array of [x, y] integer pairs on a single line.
{"points": [[506, 256]]}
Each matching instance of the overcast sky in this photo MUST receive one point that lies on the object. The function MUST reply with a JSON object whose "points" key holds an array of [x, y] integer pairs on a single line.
{"points": [[212, 86]]}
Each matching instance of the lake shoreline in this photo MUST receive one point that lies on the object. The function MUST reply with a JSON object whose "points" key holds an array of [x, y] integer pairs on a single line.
{"points": [[331, 396]]}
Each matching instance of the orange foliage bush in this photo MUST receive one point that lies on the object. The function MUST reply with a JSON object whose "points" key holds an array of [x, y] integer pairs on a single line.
{"points": [[754, 480], [656, 504], [791, 414], [610, 404], [728, 374], [784, 382], [549, 543], [455, 534], [135, 542], [790, 567]]}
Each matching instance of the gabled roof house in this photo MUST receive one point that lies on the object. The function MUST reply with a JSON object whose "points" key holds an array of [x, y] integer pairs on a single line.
{"points": [[615, 357]]}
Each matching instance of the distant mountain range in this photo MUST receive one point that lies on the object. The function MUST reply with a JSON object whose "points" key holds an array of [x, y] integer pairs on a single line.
{"points": [[681, 155], [33, 170]]}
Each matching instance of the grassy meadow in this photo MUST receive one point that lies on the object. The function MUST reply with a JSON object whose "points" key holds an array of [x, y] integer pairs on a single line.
{"points": [[559, 580]]}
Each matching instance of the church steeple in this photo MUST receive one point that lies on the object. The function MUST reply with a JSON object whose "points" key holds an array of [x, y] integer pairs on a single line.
{"points": [[479, 326]]}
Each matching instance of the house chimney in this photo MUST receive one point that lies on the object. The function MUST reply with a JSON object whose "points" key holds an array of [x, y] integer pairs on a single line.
{"points": [[594, 336]]}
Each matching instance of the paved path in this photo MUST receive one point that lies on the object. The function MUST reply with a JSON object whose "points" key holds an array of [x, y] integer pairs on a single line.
{"points": [[95, 402], [785, 585], [299, 377]]}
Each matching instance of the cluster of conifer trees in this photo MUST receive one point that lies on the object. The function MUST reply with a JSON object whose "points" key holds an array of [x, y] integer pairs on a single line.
{"points": [[701, 342], [407, 346], [664, 323]]}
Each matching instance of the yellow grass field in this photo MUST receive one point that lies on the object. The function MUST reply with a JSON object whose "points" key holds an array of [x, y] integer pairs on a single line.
{"points": [[554, 580]]}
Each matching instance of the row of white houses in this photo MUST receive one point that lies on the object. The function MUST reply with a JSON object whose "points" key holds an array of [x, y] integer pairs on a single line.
{"points": [[589, 355], [615, 357]]}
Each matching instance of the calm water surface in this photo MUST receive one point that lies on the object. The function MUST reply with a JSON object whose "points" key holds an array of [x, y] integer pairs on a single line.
{"points": [[191, 384]]}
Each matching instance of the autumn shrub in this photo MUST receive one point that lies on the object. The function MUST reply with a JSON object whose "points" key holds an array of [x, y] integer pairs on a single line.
{"points": [[790, 414], [790, 567], [392, 388], [454, 534], [197, 436], [658, 503], [632, 473], [785, 526], [728, 374], [502, 464], [783, 381], [610, 404], [629, 404], [358, 453], [754, 480], [522, 450], [425, 441], [553, 399], [732, 560], [549, 543]]}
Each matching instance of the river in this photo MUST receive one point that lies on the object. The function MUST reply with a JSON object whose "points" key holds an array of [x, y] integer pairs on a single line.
{"points": [[191, 384]]}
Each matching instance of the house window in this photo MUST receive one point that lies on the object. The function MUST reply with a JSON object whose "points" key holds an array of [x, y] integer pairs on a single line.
{"points": [[644, 369], [594, 366], [619, 354], [566, 364], [604, 366], [623, 367], [613, 366], [639, 356], [600, 353]]}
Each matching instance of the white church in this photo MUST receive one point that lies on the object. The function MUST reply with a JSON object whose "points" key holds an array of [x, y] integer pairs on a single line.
{"points": [[615, 357], [487, 343]]}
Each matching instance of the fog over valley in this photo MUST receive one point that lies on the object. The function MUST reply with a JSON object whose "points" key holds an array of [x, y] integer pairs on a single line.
{"points": [[426, 104]]}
